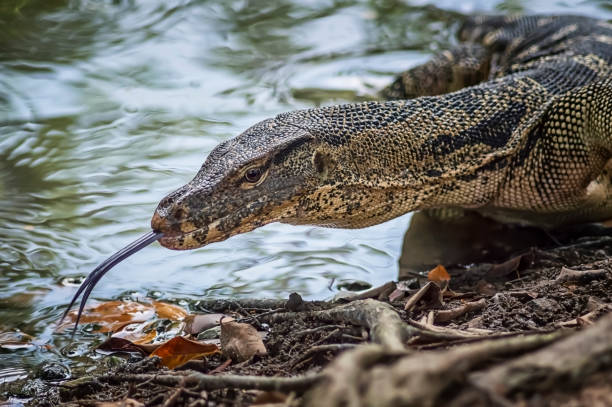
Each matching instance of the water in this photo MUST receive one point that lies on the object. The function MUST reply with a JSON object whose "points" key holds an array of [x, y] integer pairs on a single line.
{"points": [[106, 106]]}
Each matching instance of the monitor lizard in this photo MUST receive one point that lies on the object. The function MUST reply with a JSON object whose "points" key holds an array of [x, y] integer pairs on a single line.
{"points": [[515, 124]]}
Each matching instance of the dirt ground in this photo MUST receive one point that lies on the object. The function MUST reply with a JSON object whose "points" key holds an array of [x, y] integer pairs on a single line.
{"points": [[534, 330]]}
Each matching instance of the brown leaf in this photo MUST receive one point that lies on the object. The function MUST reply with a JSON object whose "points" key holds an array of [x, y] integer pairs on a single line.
{"points": [[505, 268], [111, 316], [169, 311], [485, 288], [516, 263], [439, 275], [138, 333], [115, 344], [241, 341], [178, 351], [196, 323]]}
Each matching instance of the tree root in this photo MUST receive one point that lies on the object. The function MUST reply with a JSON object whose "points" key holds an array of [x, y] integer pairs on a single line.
{"points": [[200, 381], [383, 322], [568, 275], [375, 376], [460, 367], [450, 314], [567, 361]]}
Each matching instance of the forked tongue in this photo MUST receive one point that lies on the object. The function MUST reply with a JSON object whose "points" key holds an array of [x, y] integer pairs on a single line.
{"points": [[95, 276]]}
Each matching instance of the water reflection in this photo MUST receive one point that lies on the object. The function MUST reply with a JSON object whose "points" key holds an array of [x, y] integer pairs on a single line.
{"points": [[107, 105]]}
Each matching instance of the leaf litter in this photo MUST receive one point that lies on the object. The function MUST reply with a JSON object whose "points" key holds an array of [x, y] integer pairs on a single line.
{"points": [[541, 297]]}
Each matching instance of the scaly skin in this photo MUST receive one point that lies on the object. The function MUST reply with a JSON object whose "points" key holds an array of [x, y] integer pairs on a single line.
{"points": [[528, 140]]}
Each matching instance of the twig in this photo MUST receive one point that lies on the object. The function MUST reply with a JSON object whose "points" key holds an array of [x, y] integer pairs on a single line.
{"points": [[450, 314], [335, 347], [569, 275], [171, 400], [317, 329], [209, 382], [416, 297], [602, 241], [254, 317], [588, 318], [327, 337], [221, 367], [263, 314], [438, 332], [377, 293]]}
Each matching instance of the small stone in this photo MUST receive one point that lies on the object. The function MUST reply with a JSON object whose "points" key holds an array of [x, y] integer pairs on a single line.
{"points": [[52, 371]]}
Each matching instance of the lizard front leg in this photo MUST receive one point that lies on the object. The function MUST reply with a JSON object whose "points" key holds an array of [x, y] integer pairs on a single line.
{"points": [[563, 172]]}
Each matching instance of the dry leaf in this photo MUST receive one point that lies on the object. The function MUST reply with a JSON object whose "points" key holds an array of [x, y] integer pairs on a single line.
{"points": [[516, 263], [111, 316], [485, 288], [115, 344], [196, 323], [138, 333], [178, 351], [169, 311], [241, 341], [438, 274]]}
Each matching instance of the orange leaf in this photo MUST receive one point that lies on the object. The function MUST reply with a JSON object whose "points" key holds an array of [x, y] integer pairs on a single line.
{"points": [[169, 311], [178, 351], [114, 315], [137, 333], [438, 274]]}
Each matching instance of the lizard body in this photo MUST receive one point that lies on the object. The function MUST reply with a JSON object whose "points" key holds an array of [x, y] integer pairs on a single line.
{"points": [[529, 140]]}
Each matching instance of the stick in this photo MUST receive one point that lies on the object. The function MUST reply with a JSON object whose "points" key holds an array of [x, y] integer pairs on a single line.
{"points": [[208, 382]]}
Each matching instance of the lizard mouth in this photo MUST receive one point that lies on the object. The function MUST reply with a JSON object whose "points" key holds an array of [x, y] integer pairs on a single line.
{"points": [[186, 240], [211, 233]]}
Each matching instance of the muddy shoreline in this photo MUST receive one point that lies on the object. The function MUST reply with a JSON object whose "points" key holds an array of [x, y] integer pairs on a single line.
{"points": [[539, 293]]}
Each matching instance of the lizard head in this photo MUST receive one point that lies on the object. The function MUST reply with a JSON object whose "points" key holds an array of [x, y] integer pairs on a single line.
{"points": [[246, 182]]}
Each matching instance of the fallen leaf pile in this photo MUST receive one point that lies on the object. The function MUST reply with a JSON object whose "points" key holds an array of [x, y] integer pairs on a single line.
{"points": [[134, 327], [112, 316]]}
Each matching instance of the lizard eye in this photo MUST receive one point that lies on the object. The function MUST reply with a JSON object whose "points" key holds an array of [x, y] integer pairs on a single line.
{"points": [[253, 174]]}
